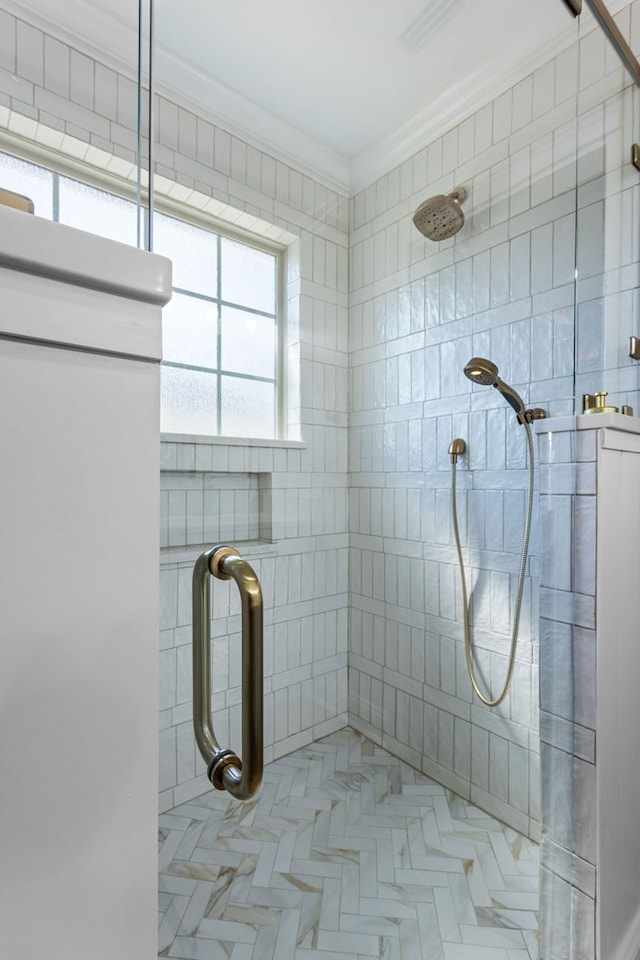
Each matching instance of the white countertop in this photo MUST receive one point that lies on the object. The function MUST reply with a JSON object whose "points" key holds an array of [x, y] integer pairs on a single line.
{"points": [[42, 248], [66, 287]]}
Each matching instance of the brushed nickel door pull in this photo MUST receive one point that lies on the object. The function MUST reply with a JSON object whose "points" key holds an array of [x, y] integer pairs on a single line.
{"points": [[226, 771]]}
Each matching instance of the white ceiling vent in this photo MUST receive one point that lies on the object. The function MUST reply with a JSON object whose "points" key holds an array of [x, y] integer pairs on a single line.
{"points": [[433, 16]]}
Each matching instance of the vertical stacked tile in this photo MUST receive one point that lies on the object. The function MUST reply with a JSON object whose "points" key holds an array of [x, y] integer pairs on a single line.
{"points": [[568, 691], [548, 161], [284, 503], [502, 288], [574, 632]]}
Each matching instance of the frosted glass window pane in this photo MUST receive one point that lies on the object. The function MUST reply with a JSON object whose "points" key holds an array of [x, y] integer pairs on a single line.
{"points": [[188, 401], [97, 212], [248, 276], [192, 251], [248, 408], [190, 331], [32, 181], [248, 343]]}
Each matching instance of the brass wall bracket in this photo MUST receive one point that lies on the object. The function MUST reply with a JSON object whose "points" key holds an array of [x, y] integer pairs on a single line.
{"points": [[457, 448], [635, 155], [634, 348]]}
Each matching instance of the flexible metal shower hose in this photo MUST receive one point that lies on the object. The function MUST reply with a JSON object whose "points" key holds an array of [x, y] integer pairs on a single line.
{"points": [[468, 644]]}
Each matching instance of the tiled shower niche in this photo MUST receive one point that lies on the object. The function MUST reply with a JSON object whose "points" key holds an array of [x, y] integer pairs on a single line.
{"points": [[204, 507], [223, 492]]}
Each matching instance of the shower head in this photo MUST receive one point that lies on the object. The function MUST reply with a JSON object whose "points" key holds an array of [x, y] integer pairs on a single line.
{"points": [[440, 217], [485, 373], [482, 371]]}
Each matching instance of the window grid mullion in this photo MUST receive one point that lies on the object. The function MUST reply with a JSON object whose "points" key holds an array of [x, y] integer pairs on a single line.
{"points": [[55, 196], [219, 340], [255, 378], [224, 303]]}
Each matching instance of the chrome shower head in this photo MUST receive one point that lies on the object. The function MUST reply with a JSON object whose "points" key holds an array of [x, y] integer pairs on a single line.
{"points": [[439, 218], [485, 373]]}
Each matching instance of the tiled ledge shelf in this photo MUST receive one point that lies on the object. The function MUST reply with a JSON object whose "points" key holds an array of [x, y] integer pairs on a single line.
{"points": [[589, 421], [221, 490], [249, 549]]}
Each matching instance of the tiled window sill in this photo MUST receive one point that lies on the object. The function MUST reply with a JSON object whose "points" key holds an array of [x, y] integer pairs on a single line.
{"points": [[233, 441], [185, 452]]}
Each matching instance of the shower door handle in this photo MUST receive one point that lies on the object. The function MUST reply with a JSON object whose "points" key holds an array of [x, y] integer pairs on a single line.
{"points": [[225, 770]]}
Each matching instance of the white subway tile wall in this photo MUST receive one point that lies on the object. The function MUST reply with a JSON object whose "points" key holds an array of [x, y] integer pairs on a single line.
{"points": [[502, 288], [303, 574], [568, 692], [285, 504]]}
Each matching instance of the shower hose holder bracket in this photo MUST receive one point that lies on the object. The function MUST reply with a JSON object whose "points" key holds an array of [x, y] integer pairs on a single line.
{"points": [[457, 448], [537, 413]]}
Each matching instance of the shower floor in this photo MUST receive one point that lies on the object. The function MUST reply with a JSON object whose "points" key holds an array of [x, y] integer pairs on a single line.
{"points": [[346, 852]]}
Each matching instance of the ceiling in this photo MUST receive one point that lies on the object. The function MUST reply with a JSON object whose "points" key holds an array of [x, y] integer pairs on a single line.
{"points": [[344, 88], [348, 74]]}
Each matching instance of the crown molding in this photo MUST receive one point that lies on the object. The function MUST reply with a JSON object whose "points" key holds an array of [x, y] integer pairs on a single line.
{"points": [[470, 93], [235, 113]]}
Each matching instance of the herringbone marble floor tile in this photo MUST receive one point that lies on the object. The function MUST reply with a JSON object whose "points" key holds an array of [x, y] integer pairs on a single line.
{"points": [[347, 853]]}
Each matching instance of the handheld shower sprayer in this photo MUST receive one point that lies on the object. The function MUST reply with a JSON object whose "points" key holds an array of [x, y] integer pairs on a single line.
{"points": [[485, 373]]}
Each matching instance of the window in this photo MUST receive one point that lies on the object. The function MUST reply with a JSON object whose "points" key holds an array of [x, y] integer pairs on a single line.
{"points": [[220, 336], [221, 341], [69, 201]]}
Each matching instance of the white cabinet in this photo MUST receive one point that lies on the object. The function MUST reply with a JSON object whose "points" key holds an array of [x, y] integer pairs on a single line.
{"points": [[80, 341]]}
